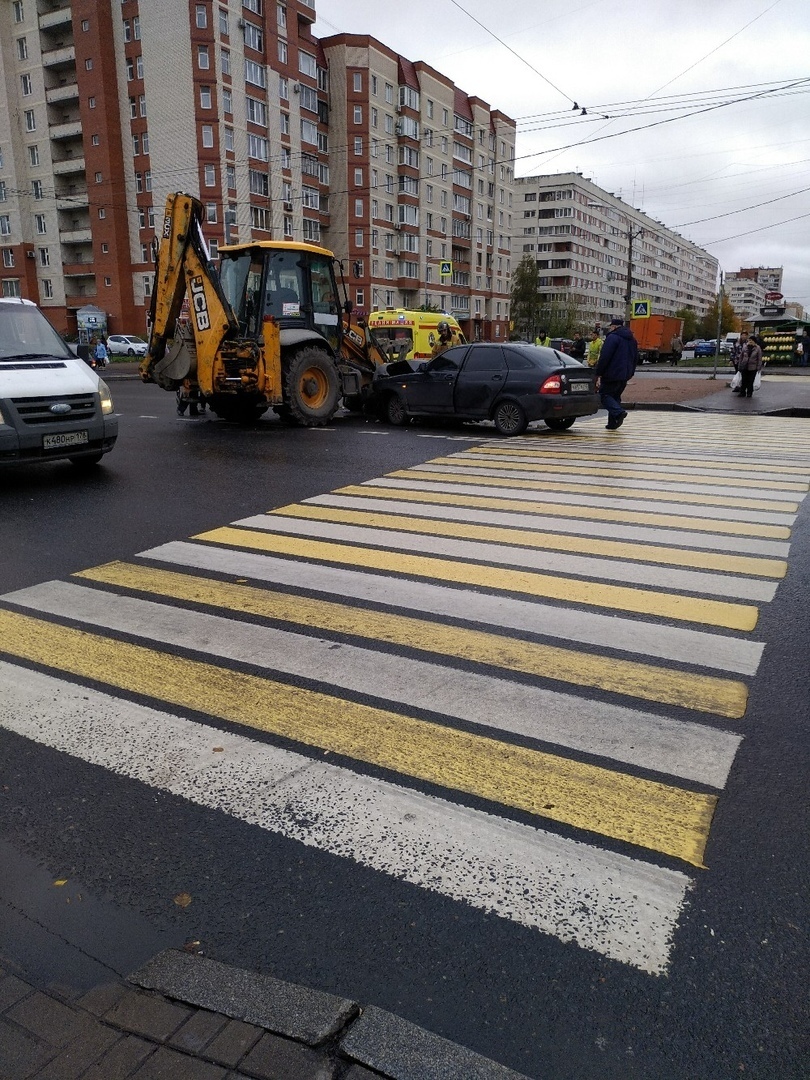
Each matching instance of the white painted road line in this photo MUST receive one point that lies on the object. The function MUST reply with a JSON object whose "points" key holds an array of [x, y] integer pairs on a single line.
{"points": [[628, 573], [643, 639], [620, 907]]}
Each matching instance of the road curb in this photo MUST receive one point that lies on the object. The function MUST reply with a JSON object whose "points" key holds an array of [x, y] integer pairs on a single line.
{"points": [[344, 1032]]}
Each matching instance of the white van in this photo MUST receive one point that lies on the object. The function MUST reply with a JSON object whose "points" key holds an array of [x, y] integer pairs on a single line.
{"points": [[52, 404]]}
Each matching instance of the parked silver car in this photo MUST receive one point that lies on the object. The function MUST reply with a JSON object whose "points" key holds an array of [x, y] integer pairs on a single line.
{"points": [[126, 345]]}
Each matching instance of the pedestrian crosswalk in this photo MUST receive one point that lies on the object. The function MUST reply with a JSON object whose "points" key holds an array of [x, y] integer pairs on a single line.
{"points": [[516, 675]]}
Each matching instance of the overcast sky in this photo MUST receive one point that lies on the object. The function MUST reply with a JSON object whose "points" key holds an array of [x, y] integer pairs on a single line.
{"points": [[640, 63]]}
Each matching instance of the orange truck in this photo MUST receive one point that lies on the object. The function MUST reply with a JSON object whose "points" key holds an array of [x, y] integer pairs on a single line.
{"points": [[653, 336]]}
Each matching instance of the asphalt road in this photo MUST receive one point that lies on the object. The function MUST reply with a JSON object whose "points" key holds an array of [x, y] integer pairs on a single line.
{"points": [[145, 866]]}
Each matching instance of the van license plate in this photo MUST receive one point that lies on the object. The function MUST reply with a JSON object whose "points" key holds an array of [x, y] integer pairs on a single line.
{"points": [[66, 438], [580, 387]]}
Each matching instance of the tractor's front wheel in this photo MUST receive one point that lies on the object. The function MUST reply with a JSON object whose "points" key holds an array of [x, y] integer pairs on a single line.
{"points": [[312, 387]]}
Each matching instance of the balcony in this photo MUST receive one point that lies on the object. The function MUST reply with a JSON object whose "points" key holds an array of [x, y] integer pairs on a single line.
{"points": [[306, 11], [69, 92], [76, 236], [55, 58], [69, 165], [79, 201], [55, 18], [72, 130]]}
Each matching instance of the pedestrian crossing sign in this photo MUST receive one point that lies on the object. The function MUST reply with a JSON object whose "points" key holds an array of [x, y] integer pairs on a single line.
{"points": [[641, 309], [446, 269]]}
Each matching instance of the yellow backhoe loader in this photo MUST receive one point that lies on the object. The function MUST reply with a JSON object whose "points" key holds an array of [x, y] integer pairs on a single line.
{"points": [[268, 330]]}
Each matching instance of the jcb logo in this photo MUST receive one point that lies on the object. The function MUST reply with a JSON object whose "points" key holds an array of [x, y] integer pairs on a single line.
{"points": [[167, 226], [200, 304]]}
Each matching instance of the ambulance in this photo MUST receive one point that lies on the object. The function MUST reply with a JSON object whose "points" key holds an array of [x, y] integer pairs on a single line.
{"points": [[411, 335]]}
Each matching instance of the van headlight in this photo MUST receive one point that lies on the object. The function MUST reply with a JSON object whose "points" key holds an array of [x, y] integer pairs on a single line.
{"points": [[105, 397]]}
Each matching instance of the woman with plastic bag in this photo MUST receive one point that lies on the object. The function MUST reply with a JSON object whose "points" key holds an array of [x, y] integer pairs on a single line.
{"points": [[736, 354], [749, 366]]}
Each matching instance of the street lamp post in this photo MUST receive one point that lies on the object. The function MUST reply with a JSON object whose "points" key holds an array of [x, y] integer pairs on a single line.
{"points": [[628, 296]]}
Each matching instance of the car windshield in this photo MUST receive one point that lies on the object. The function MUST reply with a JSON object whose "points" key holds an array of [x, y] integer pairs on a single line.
{"points": [[24, 331]]}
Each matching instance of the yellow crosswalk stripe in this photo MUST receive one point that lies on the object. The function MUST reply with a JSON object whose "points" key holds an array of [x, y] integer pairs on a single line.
{"points": [[646, 813], [670, 556], [569, 510], [587, 468], [587, 456], [550, 485], [703, 693], [691, 609]]}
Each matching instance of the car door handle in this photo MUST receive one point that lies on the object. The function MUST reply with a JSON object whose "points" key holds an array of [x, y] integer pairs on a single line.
{"points": [[497, 378]]}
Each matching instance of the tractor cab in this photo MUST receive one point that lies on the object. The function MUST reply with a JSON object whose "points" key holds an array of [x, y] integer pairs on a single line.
{"points": [[292, 283]]}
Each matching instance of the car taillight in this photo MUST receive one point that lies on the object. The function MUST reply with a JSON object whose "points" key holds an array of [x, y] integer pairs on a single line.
{"points": [[552, 385]]}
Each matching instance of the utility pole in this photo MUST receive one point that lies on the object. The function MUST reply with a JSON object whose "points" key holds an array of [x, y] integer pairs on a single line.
{"points": [[628, 309], [719, 323]]}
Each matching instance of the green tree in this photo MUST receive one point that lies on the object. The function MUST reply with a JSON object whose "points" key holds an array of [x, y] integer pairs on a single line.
{"points": [[525, 309], [707, 327], [690, 323]]}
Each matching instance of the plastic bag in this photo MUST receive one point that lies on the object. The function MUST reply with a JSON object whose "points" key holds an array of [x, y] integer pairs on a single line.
{"points": [[737, 380], [758, 380]]}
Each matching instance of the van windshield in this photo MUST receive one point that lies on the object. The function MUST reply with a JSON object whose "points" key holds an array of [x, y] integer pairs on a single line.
{"points": [[24, 331]]}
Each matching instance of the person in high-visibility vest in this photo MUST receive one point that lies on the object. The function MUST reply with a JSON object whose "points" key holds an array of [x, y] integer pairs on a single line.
{"points": [[543, 339]]}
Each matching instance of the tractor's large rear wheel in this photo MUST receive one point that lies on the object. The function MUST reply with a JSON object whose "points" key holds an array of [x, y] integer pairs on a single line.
{"points": [[312, 387]]}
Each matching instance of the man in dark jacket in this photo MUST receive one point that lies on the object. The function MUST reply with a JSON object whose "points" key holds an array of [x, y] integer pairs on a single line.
{"points": [[614, 369]]}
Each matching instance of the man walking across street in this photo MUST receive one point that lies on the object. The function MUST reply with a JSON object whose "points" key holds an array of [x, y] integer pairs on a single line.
{"points": [[614, 369]]}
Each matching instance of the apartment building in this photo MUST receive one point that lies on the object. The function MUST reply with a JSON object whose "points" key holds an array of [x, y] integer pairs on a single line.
{"points": [[422, 187], [769, 277], [590, 245], [106, 106], [745, 294]]}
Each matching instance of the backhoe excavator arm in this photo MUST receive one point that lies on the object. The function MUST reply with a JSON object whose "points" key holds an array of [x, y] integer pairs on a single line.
{"points": [[184, 267]]}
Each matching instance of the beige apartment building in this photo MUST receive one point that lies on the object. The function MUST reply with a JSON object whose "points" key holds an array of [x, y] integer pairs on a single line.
{"points": [[106, 106], [590, 245]]}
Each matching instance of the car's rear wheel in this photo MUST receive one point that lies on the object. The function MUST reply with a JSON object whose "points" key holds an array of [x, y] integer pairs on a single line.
{"points": [[509, 418], [130, 352], [395, 411], [561, 423]]}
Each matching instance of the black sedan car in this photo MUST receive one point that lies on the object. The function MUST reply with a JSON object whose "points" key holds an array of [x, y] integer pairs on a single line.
{"points": [[510, 384]]}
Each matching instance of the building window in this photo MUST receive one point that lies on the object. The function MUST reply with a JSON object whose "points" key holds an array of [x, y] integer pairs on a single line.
{"points": [[44, 256], [127, 30], [205, 97], [283, 52], [358, 114], [260, 218], [225, 61], [257, 147], [130, 69], [145, 142], [47, 289], [133, 108], [136, 144], [99, 178], [254, 37], [11, 287], [223, 22], [40, 224], [227, 102], [5, 225], [142, 104], [211, 213], [30, 120], [255, 74], [283, 88], [36, 189], [201, 16], [91, 103], [256, 111], [207, 136], [203, 59], [147, 286], [88, 64], [309, 132], [139, 67], [389, 93], [307, 64], [85, 25], [358, 208], [3, 195], [358, 177], [357, 82], [19, 14], [147, 180], [25, 81], [358, 146], [229, 138], [107, 282], [281, 16], [8, 256], [102, 213], [285, 123], [136, 28], [33, 155], [210, 176], [230, 175], [22, 48]]}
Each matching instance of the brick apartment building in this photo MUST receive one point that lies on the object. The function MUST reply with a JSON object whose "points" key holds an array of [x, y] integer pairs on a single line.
{"points": [[106, 106]]}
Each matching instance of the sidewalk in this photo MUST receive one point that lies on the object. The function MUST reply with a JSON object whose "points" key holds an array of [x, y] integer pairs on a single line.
{"points": [[185, 1017]]}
